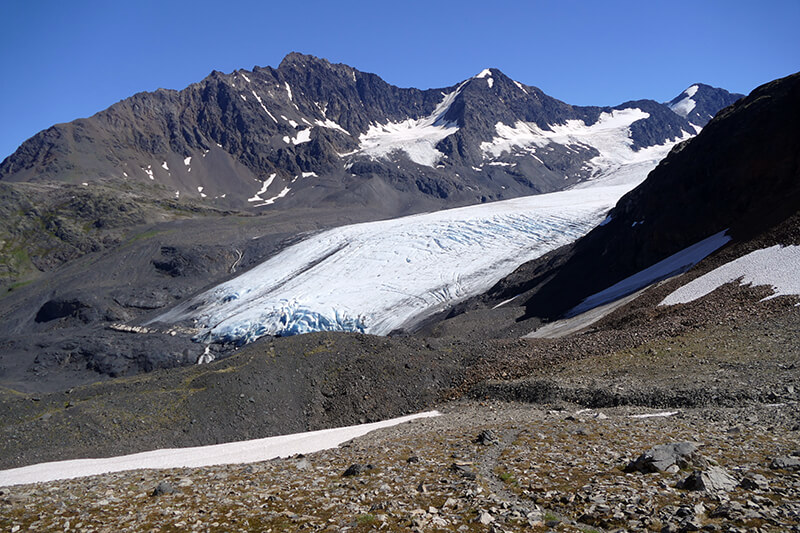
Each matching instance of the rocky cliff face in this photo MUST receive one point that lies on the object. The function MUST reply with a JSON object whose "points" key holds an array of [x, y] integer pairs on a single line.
{"points": [[312, 133]]}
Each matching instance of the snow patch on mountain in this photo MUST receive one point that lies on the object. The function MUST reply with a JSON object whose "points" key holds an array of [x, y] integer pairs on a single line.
{"points": [[610, 135], [328, 123], [671, 266], [264, 186], [380, 276], [685, 105], [417, 138], [303, 136], [777, 266]]}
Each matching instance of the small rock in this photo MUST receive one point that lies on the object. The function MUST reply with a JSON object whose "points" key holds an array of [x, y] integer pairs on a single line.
{"points": [[163, 488], [450, 502], [463, 470], [785, 463], [485, 518], [412, 459], [356, 469], [713, 479], [659, 458], [487, 437], [755, 482]]}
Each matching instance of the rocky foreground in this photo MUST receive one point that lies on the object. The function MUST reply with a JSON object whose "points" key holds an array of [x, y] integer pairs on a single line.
{"points": [[481, 466]]}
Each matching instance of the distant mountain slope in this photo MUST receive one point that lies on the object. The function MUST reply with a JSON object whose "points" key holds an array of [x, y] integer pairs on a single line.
{"points": [[312, 133]]}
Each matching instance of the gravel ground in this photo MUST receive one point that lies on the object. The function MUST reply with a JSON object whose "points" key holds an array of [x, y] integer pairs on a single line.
{"points": [[482, 466]]}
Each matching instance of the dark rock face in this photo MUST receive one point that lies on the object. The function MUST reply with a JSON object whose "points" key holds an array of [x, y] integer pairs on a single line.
{"points": [[219, 139], [740, 173]]}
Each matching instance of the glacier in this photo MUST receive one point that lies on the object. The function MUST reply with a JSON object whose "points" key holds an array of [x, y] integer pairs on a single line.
{"points": [[378, 277]]}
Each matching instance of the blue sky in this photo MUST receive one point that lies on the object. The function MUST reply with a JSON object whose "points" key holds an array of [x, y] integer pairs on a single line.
{"points": [[65, 60]]}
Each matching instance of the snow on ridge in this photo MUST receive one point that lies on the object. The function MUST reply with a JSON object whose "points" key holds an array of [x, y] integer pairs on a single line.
{"points": [[484, 73], [417, 138], [685, 105], [610, 135], [673, 265], [376, 277], [264, 108], [776, 266], [249, 451]]}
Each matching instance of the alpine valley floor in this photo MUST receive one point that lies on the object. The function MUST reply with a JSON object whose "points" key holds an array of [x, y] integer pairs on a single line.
{"points": [[535, 434]]}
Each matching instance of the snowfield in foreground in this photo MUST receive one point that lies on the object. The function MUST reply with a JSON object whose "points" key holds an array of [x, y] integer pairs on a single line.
{"points": [[250, 451], [378, 277]]}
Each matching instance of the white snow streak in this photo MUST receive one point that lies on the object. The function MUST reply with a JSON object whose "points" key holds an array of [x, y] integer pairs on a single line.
{"points": [[249, 451], [187, 161], [263, 107], [663, 414], [164, 166], [675, 264], [270, 201], [777, 267], [263, 189], [328, 123]]}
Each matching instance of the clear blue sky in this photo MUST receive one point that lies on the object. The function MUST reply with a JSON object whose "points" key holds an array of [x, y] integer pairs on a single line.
{"points": [[62, 60]]}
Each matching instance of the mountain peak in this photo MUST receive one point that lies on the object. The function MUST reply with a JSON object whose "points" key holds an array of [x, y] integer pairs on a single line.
{"points": [[699, 102], [298, 59]]}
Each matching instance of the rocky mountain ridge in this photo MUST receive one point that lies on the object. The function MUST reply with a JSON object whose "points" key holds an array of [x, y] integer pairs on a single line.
{"points": [[312, 133]]}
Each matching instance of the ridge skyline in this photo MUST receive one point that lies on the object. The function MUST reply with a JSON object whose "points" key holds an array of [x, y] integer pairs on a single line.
{"points": [[72, 61]]}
